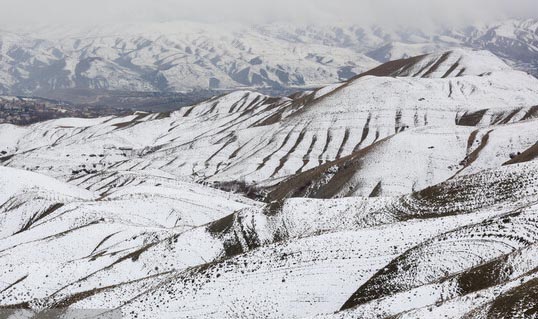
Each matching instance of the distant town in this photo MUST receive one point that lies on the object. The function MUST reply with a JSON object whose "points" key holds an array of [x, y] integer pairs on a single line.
{"points": [[25, 111]]}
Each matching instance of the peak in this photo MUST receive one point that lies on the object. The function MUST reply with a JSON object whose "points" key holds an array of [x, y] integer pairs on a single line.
{"points": [[452, 63]]}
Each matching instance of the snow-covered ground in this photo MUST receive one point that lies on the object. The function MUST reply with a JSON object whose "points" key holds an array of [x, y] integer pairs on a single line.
{"points": [[410, 191]]}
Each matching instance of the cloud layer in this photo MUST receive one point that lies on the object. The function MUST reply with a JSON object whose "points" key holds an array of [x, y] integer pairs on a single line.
{"points": [[413, 13]]}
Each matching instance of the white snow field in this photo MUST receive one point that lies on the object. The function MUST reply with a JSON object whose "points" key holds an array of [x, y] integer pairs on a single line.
{"points": [[409, 191]]}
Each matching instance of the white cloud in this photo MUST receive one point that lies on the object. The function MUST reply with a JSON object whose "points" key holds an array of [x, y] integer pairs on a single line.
{"points": [[415, 13]]}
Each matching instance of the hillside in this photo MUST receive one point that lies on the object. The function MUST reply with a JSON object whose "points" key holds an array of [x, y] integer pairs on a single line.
{"points": [[407, 191]]}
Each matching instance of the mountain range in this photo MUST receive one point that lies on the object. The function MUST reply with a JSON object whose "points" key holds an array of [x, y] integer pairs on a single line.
{"points": [[184, 56], [408, 191]]}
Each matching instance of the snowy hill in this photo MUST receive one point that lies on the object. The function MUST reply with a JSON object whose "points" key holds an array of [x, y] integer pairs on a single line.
{"points": [[409, 190], [261, 140]]}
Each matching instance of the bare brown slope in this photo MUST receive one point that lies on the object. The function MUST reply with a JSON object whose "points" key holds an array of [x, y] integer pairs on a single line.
{"points": [[325, 181], [528, 155], [392, 68]]}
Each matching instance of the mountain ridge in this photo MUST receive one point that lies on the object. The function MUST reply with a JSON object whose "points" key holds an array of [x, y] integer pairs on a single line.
{"points": [[180, 56]]}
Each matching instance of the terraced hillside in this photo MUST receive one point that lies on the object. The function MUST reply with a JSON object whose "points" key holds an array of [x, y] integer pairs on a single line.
{"points": [[410, 190]]}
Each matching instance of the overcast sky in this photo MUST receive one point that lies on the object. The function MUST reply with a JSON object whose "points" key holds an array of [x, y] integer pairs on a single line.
{"points": [[14, 13]]}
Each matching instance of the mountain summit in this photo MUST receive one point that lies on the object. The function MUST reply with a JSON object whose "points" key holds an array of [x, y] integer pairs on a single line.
{"points": [[449, 64]]}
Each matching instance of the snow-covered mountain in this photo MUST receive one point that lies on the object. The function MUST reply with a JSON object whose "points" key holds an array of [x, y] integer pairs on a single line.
{"points": [[409, 191], [169, 57], [181, 56]]}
